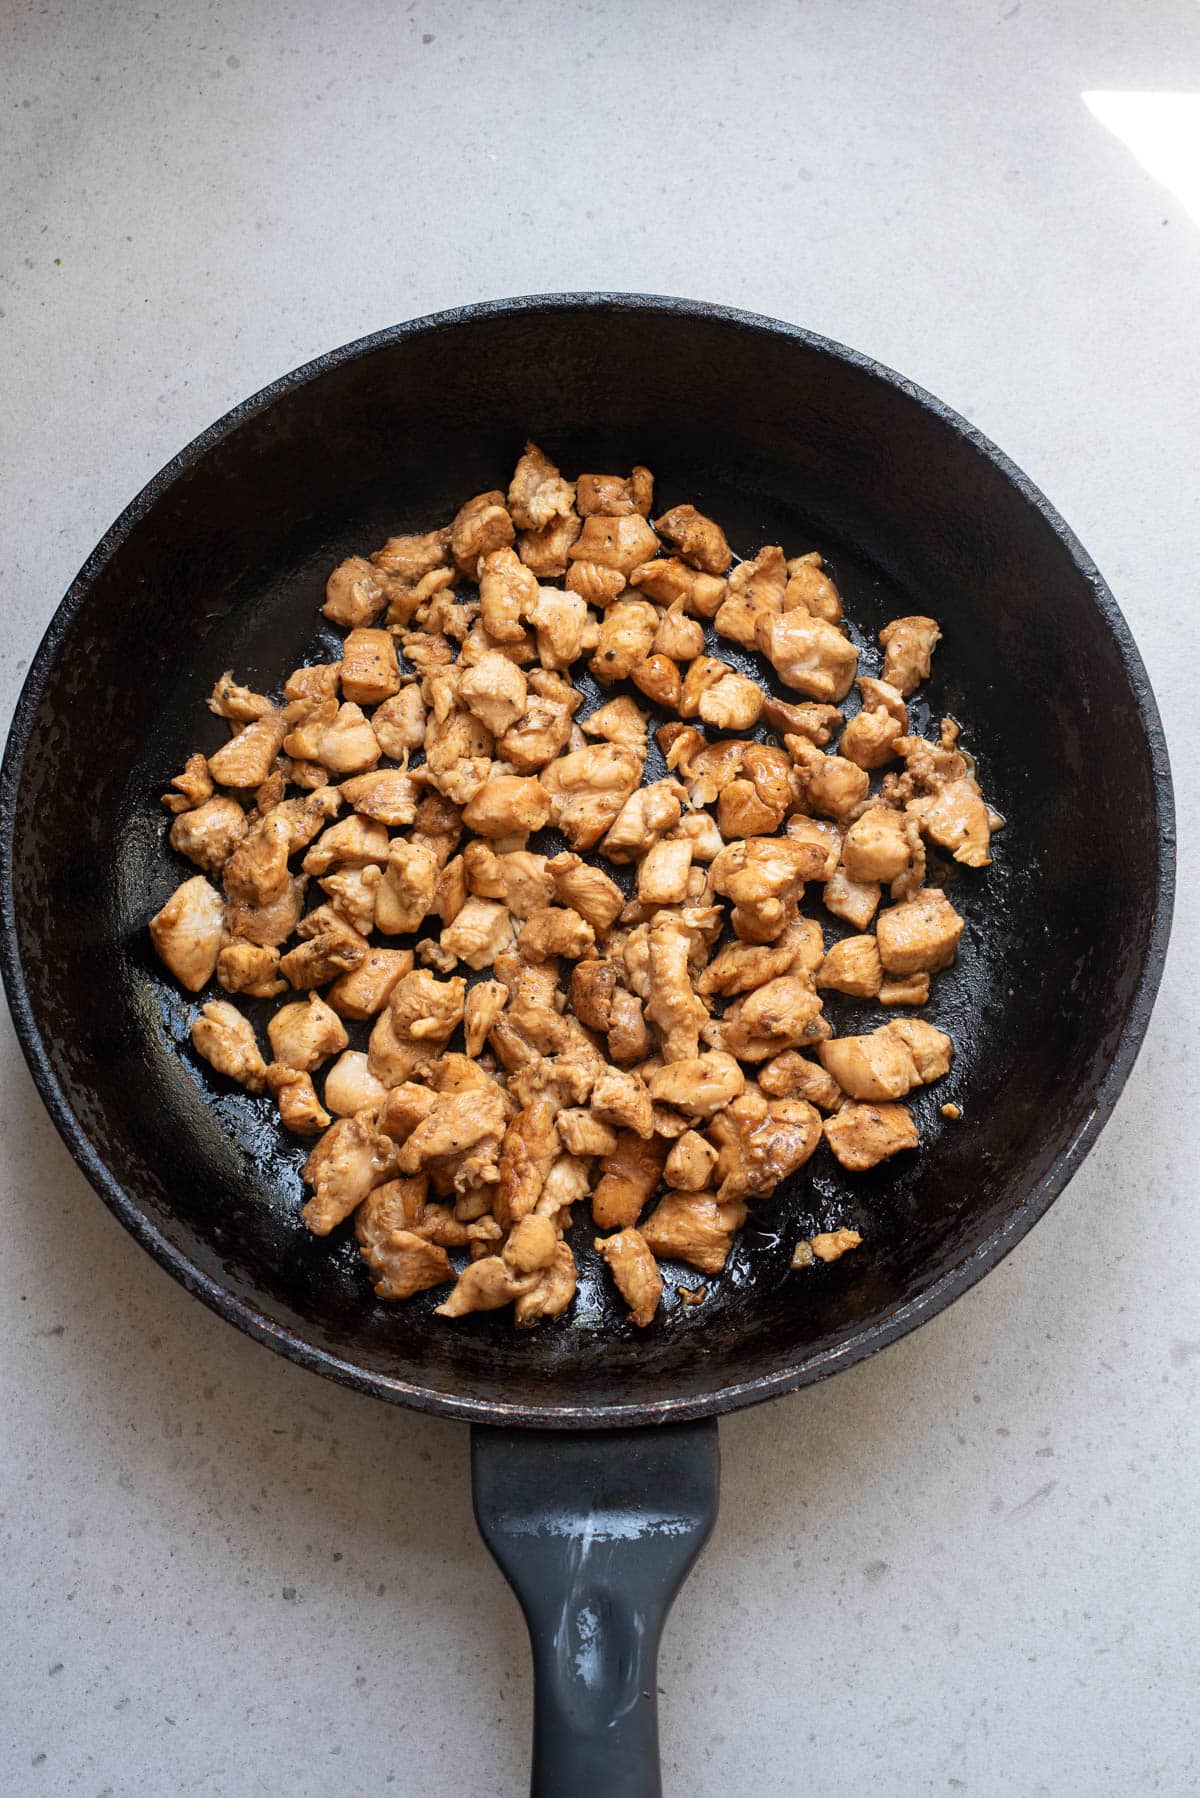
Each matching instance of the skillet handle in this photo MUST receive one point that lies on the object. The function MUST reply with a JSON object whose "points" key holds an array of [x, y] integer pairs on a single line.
{"points": [[595, 1531]]}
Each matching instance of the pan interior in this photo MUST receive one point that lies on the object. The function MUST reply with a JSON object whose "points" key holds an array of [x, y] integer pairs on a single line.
{"points": [[222, 566]]}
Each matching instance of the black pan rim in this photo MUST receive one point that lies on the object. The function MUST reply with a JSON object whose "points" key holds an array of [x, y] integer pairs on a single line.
{"points": [[735, 1394]]}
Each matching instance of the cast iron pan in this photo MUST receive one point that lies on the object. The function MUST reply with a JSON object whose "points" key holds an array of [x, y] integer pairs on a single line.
{"points": [[784, 437]]}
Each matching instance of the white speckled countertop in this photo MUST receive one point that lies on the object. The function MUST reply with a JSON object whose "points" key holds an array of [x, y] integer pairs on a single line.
{"points": [[969, 1566]]}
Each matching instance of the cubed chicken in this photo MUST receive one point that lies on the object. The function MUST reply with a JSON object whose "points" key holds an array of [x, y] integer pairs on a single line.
{"points": [[187, 932], [861, 1136]]}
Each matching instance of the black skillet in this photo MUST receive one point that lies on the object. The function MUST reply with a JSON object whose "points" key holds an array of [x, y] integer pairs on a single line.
{"points": [[785, 438]]}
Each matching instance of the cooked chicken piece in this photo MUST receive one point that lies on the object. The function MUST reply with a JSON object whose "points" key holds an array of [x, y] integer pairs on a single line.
{"points": [[229, 700], [405, 1106], [626, 632], [658, 678], [920, 935], [270, 924], [887, 1063], [303, 740], [909, 645], [388, 795], [611, 496], [905, 989], [545, 552], [620, 1098], [620, 721], [635, 1272], [678, 637], [430, 954], [193, 786], [829, 1245], [931, 1049], [438, 826], [352, 894], [821, 841], [300, 1110], [495, 691], [673, 1007], [520, 879], [584, 1135], [755, 591], [305, 1033], [587, 790], [531, 1245], [399, 723], [458, 754], [699, 1086], [401, 1262], [542, 731], [509, 805], [227, 1042], [330, 948], [350, 1159], [406, 893], [592, 986], [367, 988], [556, 930], [671, 582], [553, 1293], [810, 655], [756, 802], [484, 1003], [245, 761], [353, 595], [247, 968], [861, 1136], [854, 901], [421, 1016], [870, 737], [346, 744], [209, 833], [816, 723], [597, 585], [663, 874], [351, 1087], [731, 703], [479, 528], [481, 931], [645, 817], [791, 1076], [688, 1166], [450, 894], [836, 786], [410, 558], [256, 871], [537, 493], [698, 539], [762, 1142], [622, 544], [852, 966], [691, 1226], [763, 876], [566, 1183], [955, 817], [370, 672], [876, 846], [349, 844], [700, 832], [486, 1285], [463, 1131], [588, 890], [560, 620], [629, 1173], [507, 591], [783, 1014], [741, 967], [426, 599], [426, 652], [628, 1038], [187, 932], [528, 1152], [809, 586]]}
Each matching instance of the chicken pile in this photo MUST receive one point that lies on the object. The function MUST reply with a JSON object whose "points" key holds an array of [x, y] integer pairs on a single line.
{"points": [[636, 1021]]}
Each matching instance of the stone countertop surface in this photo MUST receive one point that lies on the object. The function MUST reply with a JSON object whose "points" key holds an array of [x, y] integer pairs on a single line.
{"points": [[967, 1566]]}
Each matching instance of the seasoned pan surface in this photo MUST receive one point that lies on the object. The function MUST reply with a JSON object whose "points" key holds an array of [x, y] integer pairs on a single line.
{"points": [[783, 437]]}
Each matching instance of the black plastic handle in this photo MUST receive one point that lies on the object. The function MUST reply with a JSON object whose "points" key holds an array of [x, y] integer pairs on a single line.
{"points": [[596, 1531]]}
